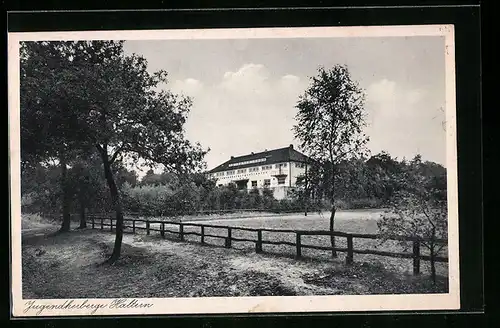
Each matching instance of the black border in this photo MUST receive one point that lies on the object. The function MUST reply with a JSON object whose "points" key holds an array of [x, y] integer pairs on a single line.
{"points": [[467, 47]]}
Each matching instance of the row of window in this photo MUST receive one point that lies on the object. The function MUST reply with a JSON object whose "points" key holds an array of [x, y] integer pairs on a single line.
{"points": [[267, 183], [249, 162], [256, 169]]}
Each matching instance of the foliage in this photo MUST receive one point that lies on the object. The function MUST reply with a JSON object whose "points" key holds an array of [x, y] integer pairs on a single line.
{"points": [[330, 122], [355, 190], [419, 209], [48, 125], [40, 189], [195, 193], [98, 98]]}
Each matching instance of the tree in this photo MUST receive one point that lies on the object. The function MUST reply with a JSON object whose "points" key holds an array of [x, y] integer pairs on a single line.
{"points": [[419, 209], [40, 188], [329, 125], [120, 109], [382, 173], [129, 117], [87, 187], [46, 122], [151, 178]]}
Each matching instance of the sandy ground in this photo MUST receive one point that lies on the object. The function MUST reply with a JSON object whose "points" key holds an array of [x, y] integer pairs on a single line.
{"points": [[71, 265]]}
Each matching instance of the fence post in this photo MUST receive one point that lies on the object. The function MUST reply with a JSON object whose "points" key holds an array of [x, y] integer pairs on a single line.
{"points": [[181, 231], [147, 227], [133, 226], [102, 223], [93, 222], [258, 244], [350, 250], [299, 246], [162, 229], [110, 224], [416, 257], [202, 234], [228, 238]]}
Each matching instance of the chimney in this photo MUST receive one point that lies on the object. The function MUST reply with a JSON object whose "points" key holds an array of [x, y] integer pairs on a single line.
{"points": [[251, 153], [232, 157], [291, 146]]}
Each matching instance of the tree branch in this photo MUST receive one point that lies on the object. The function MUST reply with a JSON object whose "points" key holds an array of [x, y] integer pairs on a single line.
{"points": [[99, 148], [427, 215], [440, 248], [117, 152]]}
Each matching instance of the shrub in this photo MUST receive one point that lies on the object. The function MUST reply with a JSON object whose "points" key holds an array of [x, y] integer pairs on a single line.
{"points": [[365, 203]]}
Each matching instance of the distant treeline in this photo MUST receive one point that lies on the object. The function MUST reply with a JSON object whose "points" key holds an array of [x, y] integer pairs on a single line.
{"points": [[359, 183]]}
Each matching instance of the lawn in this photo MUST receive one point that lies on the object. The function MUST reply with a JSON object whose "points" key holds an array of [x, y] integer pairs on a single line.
{"points": [[352, 221], [70, 265]]}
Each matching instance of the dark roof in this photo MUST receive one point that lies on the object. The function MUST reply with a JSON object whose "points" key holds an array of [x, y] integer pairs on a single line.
{"points": [[280, 155]]}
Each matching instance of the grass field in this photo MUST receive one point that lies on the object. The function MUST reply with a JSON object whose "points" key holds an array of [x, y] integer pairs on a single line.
{"points": [[358, 221], [71, 265]]}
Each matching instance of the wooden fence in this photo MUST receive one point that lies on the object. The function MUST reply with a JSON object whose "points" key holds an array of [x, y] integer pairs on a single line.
{"points": [[416, 256]]}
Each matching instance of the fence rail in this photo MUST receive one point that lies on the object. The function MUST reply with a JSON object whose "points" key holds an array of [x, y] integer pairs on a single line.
{"points": [[99, 223]]}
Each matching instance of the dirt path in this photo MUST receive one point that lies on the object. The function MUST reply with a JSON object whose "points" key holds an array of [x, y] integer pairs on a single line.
{"points": [[70, 266]]}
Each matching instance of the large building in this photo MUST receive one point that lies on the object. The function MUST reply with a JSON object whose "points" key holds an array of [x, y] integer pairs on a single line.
{"points": [[277, 169]]}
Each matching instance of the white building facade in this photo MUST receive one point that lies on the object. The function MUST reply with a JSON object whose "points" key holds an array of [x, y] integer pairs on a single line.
{"points": [[277, 169]]}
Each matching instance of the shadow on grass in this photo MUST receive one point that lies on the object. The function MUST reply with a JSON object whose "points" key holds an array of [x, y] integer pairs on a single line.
{"points": [[378, 280], [130, 255]]}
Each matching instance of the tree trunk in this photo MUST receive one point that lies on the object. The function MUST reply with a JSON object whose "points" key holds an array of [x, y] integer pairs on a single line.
{"points": [[306, 192], [115, 197], [332, 237], [334, 209], [432, 255], [83, 220], [66, 215]]}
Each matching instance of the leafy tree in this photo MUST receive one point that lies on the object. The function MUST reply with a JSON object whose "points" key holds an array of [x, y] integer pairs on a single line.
{"points": [[48, 129], [229, 196], [330, 120], [123, 175], [87, 186], [151, 178], [120, 109], [382, 173], [419, 209], [40, 189]]}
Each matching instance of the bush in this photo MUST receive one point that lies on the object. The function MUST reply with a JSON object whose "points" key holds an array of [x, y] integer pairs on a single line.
{"points": [[341, 204], [189, 198], [365, 203]]}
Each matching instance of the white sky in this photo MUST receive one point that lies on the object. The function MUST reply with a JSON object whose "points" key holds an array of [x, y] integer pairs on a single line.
{"points": [[244, 91]]}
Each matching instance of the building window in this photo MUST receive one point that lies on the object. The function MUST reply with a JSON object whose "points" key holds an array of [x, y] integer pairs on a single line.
{"points": [[299, 165], [254, 169], [254, 184], [267, 182], [281, 180], [267, 167], [249, 162], [230, 172], [241, 171]]}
